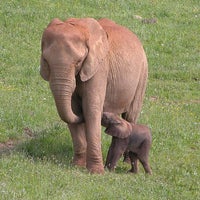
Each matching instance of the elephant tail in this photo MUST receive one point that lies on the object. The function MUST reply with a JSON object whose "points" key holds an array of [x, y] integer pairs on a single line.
{"points": [[133, 113]]}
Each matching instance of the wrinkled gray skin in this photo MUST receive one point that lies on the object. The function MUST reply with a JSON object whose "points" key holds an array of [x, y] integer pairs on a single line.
{"points": [[92, 66], [127, 137]]}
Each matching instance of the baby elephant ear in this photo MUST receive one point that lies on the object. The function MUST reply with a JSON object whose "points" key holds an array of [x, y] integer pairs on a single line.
{"points": [[120, 130]]}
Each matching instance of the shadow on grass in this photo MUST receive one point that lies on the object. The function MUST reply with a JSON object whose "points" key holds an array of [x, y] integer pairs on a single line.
{"points": [[53, 144]]}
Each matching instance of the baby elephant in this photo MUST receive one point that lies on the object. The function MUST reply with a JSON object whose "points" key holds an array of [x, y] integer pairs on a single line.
{"points": [[127, 137]]}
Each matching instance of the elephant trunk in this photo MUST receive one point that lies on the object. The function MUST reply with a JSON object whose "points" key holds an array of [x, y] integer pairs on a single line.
{"points": [[62, 91]]}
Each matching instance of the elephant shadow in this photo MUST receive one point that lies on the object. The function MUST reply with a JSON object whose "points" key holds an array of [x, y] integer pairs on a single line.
{"points": [[53, 145]]}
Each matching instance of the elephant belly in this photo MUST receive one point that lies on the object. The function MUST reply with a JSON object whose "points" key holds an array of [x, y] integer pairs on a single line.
{"points": [[118, 99], [122, 83], [116, 106]]}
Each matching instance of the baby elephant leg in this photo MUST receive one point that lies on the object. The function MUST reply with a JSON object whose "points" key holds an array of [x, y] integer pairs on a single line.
{"points": [[134, 162], [146, 166], [126, 157], [109, 156], [143, 156], [117, 148]]}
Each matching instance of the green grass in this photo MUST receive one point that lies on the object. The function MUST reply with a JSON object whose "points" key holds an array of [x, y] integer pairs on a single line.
{"points": [[40, 165]]}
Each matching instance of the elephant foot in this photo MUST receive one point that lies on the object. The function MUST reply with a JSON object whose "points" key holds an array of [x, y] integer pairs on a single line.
{"points": [[110, 169], [126, 157], [127, 160], [132, 171], [96, 170], [79, 160], [149, 172]]}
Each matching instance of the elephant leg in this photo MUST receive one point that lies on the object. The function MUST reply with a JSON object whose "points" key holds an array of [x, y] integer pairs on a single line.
{"points": [[145, 164], [118, 147], [134, 163], [92, 110], [143, 156], [92, 106], [79, 144], [109, 155], [136, 105], [108, 158], [94, 159], [126, 157]]}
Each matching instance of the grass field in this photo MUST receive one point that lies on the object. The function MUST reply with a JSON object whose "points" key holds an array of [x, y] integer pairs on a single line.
{"points": [[35, 145]]}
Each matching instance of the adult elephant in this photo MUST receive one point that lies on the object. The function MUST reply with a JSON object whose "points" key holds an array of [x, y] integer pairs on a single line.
{"points": [[92, 66]]}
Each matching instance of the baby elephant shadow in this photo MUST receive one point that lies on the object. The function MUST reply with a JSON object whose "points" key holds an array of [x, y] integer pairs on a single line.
{"points": [[128, 139]]}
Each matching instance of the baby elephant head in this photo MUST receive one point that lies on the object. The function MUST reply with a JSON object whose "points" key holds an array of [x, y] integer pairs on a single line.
{"points": [[115, 126]]}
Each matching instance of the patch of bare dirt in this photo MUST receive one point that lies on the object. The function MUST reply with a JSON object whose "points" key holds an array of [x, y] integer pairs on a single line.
{"points": [[8, 145], [12, 143]]}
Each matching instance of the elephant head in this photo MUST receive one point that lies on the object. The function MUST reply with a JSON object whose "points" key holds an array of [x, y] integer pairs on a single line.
{"points": [[115, 126], [72, 48]]}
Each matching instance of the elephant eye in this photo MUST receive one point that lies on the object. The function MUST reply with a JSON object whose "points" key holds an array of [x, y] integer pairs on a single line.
{"points": [[78, 66], [79, 62]]}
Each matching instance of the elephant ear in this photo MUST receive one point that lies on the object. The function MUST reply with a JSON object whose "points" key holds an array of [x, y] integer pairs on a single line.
{"points": [[44, 69], [120, 129], [55, 21], [97, 44]]}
